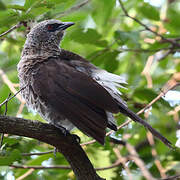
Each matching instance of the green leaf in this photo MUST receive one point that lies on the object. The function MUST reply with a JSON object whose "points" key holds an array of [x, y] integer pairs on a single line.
{"points": [[111, 63], [26, 16], [29, 3], [58, 1], [124, 37], [102, 12], [11, 140], [8, 17], [106, 60], [10, 158], [16, 7], [38, 11], [77, 16], [91, 36], [96, 157], [149, 11], [173, 23], [147, 95], [144, 94], [105, 17], [121, 36], [60, 7], [2, 6]]}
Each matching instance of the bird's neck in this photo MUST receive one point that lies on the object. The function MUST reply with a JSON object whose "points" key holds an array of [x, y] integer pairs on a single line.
{"points": [[45, 50]]}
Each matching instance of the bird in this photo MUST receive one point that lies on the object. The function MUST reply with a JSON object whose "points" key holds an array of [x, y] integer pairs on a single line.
{"points": [[66, 89]]}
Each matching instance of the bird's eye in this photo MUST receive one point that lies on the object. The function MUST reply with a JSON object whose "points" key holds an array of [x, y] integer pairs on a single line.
{"points": [[52, 27]]}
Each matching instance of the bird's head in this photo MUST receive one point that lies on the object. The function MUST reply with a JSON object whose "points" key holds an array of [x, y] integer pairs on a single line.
{"points": [[48, 32]]}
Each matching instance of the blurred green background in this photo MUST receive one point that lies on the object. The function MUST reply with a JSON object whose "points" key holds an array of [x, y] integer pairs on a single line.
{"points": [[112, 41]]}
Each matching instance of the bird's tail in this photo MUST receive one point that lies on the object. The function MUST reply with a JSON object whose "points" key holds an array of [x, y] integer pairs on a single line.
{"points": [[124, 110]]}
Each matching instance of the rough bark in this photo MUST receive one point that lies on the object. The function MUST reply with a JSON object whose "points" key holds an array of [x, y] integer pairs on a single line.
{"points": [[67, 145]]}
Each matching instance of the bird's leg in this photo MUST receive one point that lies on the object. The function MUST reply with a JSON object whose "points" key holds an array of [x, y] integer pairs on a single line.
{"points": [[65, 132]]}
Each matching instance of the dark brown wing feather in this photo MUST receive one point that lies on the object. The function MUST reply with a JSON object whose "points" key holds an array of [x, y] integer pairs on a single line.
{"points": [[75, 95], [79, 98]]}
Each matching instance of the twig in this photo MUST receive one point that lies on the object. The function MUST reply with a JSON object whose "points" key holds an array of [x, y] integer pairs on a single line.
{"points": [[172, 41], [135, 157], [146, 71], [117, 163], [156, 57], [175, 114], [1, 141], [7, 104], [154, 154], [59, 15], [41, 167], [8, 99], [21, 107], [2, 135], [123, 160], [153, 150], [168, 86], [30, 171], [165, 54], [10, 85], [145, 50], [39, 153], [89, 142], [11, 29], [177, 39], [169, 50], [176, 177]]}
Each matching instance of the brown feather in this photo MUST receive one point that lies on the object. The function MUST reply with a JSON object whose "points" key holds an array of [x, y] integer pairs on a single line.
{"points": [[75, 95]]}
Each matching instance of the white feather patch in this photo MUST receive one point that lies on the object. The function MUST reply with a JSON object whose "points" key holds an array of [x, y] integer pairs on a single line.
{"points": [[109, 77], [110, 82]]}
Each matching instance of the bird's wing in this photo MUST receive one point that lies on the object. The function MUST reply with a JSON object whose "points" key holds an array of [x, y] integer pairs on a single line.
{"points": [[75, 95], [109, 82]]}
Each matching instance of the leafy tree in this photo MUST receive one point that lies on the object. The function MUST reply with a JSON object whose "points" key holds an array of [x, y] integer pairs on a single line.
{"points": [[139, 40]]}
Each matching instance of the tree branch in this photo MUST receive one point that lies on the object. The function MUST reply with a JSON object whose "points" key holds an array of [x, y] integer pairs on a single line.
{"points": [[176, 177], [11, 29], [67, 145]]}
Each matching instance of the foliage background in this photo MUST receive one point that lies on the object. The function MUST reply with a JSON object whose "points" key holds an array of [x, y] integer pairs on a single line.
{"points": [[112, 41]]}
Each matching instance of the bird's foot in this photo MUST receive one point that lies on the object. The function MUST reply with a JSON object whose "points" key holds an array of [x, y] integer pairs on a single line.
{"points": [[62, 129], [76, 137], [65, 132]]}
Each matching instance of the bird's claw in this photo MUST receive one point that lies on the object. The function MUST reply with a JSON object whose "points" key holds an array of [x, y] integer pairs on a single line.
{"points": [[76, 137], [65, 132]]}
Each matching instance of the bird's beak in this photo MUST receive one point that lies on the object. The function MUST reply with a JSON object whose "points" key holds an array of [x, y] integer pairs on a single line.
{"points": [[65, 25]]}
